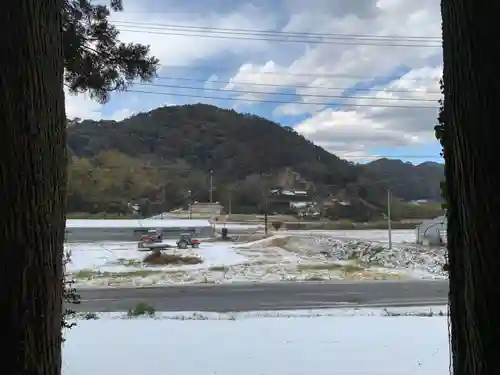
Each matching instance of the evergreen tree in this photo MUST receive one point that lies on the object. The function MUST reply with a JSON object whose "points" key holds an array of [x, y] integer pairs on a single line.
{"points": [[469, 123], [46, 44]]}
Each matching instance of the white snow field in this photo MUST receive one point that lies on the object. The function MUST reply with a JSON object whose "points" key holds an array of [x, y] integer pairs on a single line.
{"points": [[350, 342], [300, 256]]}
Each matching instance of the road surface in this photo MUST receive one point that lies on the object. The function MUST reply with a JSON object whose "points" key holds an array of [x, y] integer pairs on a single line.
{"points": [[272, 296]]}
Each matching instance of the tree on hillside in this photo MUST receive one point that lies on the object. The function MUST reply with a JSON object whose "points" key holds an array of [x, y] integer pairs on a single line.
{"points": [[469, 131], [38, 56]]}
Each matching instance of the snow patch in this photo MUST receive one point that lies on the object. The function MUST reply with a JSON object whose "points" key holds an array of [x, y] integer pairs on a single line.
{"points": [[323, 345], [303, 256]]}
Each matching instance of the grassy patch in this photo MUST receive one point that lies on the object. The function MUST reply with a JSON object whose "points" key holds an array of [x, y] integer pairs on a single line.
{"points": [[128, 262], [85, 274], [161, 259], [315, 278], [89, 274]]}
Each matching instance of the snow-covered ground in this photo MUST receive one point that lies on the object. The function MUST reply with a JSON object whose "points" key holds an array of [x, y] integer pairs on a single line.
{"points": [[397, 236], [322, 255], [339, 342]]}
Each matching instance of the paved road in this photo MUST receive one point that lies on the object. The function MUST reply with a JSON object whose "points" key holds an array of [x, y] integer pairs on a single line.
{"points": [[275, 296]]}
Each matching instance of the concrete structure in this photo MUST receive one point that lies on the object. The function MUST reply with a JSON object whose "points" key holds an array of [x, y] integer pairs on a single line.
{"points": [[131, 230], [432, 232]]}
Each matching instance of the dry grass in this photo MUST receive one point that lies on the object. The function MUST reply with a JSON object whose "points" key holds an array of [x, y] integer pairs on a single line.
{"points": [[162, 259]]}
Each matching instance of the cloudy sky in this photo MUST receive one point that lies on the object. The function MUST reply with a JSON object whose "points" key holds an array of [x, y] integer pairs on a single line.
{"points": [[359, 77]]}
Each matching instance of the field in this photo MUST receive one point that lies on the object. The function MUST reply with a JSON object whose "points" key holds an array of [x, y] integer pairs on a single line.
{"points": [[252, 257]]}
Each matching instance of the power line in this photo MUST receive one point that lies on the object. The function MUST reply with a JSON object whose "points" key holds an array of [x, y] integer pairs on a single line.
{"points": [[289, 94], [304, 74], [238, 31], [258, 84], [173, 94], [306, 41]]}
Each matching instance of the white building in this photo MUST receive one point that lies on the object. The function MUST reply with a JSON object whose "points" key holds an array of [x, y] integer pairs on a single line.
{"points": [[432, 232], [131, 230]]}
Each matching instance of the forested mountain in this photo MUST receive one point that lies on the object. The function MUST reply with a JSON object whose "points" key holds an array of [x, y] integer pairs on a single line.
{"points": [[233, 145], [169, 152], [408, 181]]}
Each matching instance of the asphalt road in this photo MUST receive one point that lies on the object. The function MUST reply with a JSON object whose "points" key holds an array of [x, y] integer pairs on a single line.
{"points": [[273, 296]]}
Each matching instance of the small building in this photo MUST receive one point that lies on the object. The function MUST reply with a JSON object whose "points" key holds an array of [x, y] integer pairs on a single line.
{"points": [[131, 230], [432, 232]]}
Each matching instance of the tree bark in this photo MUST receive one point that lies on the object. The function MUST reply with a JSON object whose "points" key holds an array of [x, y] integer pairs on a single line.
{"points": [[472, 154], [32, 186]]}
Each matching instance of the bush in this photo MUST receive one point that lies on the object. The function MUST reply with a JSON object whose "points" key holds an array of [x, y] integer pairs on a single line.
{"points": [[142, 309], [277, 225]]}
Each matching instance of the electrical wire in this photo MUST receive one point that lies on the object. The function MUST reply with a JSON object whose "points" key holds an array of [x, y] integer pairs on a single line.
{"points": [[174, 94], [279, 32], [259, 84], [305, 41], [277, 36], [288, 94], [304, 74]]}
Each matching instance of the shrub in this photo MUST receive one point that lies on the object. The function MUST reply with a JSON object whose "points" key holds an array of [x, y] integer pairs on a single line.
{"points": [[142, 309], [277, 225]]}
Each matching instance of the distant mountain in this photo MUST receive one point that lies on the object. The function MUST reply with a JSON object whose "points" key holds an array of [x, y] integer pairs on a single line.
{"points": [[407, 181], [241, 150]]}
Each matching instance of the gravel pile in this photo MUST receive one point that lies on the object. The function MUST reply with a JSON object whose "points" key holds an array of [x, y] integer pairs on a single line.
{"points": [[401, 256]]}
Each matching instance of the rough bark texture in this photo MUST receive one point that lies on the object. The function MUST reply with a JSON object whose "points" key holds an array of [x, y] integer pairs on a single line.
{"points": [[32, 186], [472, 153]]}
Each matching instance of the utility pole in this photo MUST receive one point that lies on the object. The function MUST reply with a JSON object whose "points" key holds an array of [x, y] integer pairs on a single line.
{"points": [[210, 189], [190, 204], [266, 198], [265, 215], [389, 224]]}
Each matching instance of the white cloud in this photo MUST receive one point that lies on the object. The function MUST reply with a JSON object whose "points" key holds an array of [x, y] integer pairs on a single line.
{"points": [[122, 114], [139, 24], [182, 50], [358, 128], [324, 70], [82, 106], [362, 129]]}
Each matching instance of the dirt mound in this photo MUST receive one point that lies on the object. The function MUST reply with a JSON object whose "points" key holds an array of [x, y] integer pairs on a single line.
{"points": [[158, 258]]}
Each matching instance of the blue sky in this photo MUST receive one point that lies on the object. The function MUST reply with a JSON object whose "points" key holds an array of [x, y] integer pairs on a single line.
{"points": [[319, 89]]}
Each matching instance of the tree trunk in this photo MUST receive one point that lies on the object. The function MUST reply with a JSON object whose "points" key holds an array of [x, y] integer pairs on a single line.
{"points": [[472, 154], [32, 186]]}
